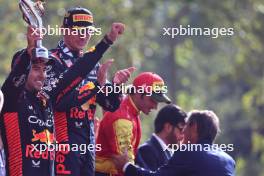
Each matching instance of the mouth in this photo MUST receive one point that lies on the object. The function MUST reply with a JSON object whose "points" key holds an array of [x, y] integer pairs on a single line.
{"points": [[82, 43], [149, 111], [39, 83]]}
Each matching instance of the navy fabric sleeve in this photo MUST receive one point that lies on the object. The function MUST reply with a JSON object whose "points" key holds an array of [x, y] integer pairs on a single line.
{"points": [[15, 82], [76, 98], [108, 101], [75, 74], [178, 165], [198, 163]]}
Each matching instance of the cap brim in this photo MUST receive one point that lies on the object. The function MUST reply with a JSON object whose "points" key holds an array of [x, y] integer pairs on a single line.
{"points": [[83, 27], [46, 61], [50, 61], [161, 98]]}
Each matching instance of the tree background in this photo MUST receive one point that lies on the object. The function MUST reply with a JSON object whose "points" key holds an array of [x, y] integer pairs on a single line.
{"points": [[225, 74]]}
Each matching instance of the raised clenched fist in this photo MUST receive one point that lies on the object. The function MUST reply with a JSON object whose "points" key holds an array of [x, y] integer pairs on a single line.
{"points": [[116, 30]]}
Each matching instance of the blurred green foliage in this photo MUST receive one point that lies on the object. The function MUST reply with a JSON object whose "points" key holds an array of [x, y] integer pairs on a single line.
{"points": [[225, 74]]}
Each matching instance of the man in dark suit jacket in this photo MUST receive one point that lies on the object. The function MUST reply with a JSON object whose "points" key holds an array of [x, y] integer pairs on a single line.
{"points": [[201, 158], [169, 125]]}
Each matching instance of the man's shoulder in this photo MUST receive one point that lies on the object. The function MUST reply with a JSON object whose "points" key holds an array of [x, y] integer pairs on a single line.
{"points": [[112, 117], [146, 146], [204, 150], [151, 146], [213, 158], [222, 155], [121, 112]]}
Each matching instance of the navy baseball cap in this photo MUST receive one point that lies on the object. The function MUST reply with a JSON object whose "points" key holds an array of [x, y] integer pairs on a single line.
{"points": [[17, 57], [78, 17]]}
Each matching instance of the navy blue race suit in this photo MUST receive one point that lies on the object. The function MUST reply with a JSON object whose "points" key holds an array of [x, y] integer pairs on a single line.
{"points": [[74, 117], [27, 117]]}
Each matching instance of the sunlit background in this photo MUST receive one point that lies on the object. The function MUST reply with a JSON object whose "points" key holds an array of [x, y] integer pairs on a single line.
{"points": [[224, 74]]}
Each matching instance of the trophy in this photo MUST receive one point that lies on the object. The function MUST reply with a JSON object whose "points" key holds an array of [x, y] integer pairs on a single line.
{"points": [[32, 12]]}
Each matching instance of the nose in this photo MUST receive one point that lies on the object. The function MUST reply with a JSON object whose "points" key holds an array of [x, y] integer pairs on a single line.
{"points": [[81, 37], [184, 130], [181, 137], [84, 36], [42, 75]]}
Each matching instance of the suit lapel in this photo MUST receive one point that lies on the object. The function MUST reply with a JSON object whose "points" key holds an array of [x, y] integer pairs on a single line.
{"points": [[164, 154]]}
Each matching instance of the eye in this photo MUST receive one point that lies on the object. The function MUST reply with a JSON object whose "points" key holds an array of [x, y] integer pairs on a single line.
{"points": [[36, 68], [46, 69], [81, 31]]}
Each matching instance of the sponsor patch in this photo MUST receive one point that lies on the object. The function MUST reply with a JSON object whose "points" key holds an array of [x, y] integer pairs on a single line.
{"points": [[82, 17]]}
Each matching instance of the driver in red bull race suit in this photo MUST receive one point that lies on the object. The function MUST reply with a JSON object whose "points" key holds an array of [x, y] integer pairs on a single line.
{"points": [[74, 117], [27, 116]]}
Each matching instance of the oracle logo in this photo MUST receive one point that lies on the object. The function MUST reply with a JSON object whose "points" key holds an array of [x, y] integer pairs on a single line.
{"points": [[36, 120]]}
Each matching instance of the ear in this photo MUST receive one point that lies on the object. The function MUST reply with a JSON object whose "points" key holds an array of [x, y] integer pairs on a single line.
{"points": [[167, 127], [194, 131]]}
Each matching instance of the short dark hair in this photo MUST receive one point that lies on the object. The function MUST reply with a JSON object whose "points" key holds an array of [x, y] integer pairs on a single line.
{"points": [[207, 124], [171, 114]]}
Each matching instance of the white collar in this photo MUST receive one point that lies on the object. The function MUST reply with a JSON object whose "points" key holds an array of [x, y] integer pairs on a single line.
{"points": [[161, 142]]}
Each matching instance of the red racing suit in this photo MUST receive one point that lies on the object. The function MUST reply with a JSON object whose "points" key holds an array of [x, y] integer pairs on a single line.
{"points": [[118, 131]]}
